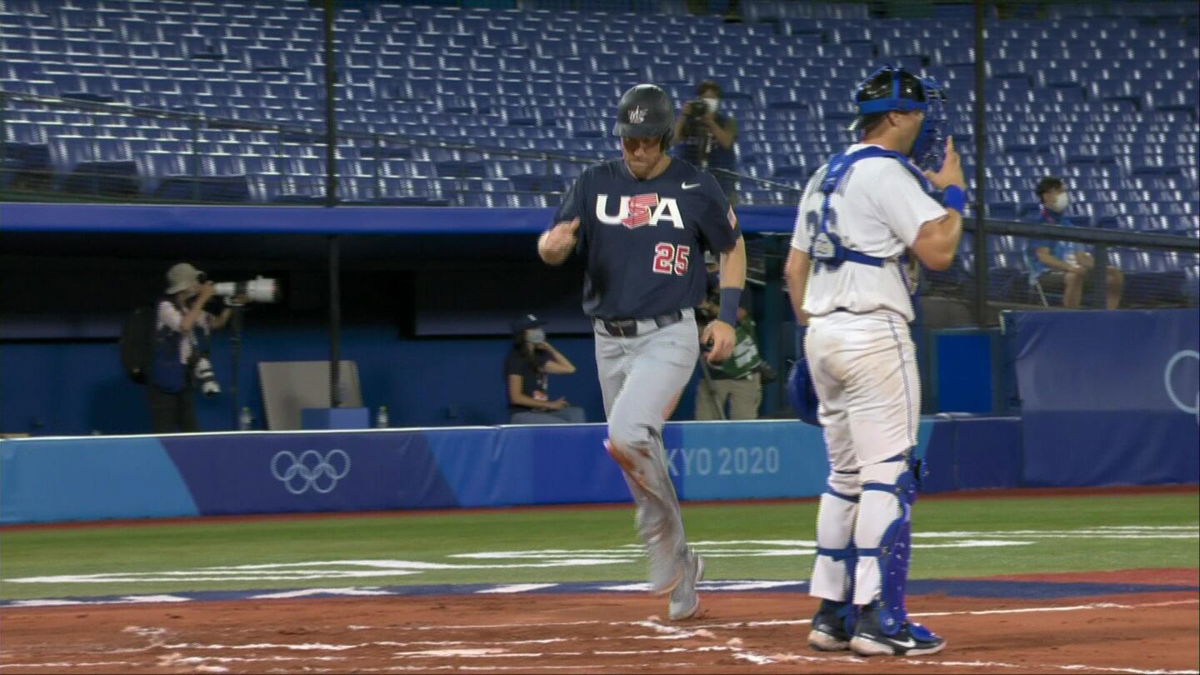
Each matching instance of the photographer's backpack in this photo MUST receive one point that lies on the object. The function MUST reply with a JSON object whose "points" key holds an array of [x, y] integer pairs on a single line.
{"points": [[137, 343]]}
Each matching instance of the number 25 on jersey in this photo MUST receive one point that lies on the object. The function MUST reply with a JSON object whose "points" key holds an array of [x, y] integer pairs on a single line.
{"points": [[671, 259]]}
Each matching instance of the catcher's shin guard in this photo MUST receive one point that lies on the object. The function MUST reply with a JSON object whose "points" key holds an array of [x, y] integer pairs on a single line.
{"points": [[893, 547], [659, 521], [837, 556]]}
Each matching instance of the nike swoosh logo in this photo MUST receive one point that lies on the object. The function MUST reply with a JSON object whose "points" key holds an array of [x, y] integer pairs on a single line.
{"points": [[907, 644], [685, 186]]}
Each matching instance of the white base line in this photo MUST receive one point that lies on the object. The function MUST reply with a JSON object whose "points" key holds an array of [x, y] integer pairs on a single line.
{"points": [[798, 622], [1098, 605], [976, 612], [68, 664]]}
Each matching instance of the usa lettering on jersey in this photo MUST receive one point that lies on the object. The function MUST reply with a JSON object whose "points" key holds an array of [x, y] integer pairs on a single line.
{"points": [[638, 210]]}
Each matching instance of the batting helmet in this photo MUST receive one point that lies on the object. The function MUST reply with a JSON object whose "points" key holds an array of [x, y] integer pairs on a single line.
{"points": [[645, 111]]}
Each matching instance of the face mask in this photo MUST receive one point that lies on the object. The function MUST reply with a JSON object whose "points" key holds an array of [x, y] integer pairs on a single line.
{"points": [[712, 103], [1061, 202], [535, 336], [929, 148]]}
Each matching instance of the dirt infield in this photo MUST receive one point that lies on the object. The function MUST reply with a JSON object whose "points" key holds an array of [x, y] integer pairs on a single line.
{"points": [[600, 633]]}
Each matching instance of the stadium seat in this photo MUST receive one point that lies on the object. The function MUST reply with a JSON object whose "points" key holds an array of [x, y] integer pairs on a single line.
{"points": [[1002, 210], [473, 199], [226, 189], [1100, 98]]}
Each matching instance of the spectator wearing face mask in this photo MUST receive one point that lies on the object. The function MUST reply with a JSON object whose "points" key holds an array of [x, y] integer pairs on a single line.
{"points": [[527, 372], [705, 137], [1057, 266]]}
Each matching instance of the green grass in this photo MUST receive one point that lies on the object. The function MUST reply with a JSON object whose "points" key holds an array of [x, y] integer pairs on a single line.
{"points": [[435, 538]]}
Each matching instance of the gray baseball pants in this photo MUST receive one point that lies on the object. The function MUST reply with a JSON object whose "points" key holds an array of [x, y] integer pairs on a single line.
{"points": [[639, 377]]}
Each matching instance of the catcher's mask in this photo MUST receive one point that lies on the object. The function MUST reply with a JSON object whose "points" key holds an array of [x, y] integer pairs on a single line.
{"points": [[902, 91]]}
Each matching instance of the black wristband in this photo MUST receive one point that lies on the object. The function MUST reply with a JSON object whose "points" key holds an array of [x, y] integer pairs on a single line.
{"points": [[730, 299]]}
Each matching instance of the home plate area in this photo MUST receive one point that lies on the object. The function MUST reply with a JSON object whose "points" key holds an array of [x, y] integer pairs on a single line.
{"points": [[1139, 621]]}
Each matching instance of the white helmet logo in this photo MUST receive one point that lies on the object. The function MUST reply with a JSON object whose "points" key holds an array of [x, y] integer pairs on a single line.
{"points": [[637, 115]]}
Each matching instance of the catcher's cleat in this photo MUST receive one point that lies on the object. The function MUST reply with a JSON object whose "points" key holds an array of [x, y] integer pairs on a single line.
{"points": [[685, 601], [911, 639], [832, 627]]}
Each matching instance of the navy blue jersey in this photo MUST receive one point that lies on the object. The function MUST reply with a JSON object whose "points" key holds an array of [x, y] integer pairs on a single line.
{"points": [[644, 240]]}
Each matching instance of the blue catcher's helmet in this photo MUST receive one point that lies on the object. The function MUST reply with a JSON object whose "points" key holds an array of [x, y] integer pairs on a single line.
{"points": [[893, 88]]}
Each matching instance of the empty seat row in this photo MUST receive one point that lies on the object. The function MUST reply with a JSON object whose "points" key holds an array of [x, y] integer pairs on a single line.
{"points": [[243, 44]]}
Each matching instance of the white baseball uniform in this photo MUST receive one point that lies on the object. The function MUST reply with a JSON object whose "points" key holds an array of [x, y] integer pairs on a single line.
{"points": [[860, 351], [860, 312]]}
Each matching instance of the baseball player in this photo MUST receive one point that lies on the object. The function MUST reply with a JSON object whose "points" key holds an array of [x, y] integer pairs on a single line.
{"points": [[860, 213], [642, 224]]}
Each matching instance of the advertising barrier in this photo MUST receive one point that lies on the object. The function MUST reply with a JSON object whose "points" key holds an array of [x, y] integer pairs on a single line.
{"points": [[93, 478], [1108, 397], [87, 478]]}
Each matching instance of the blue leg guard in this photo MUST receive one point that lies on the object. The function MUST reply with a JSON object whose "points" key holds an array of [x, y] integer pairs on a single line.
{"points": [[847, 611], [894, 548], [837, 555], [848, 555]]}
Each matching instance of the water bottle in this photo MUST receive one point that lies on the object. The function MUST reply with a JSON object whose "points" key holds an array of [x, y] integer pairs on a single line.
{"points": [[381, 418], [246, 419]]}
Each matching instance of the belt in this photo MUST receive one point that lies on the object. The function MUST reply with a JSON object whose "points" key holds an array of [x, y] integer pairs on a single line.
{"points": [[846, 310], [841, 310], [717, 376], [635, 327]]}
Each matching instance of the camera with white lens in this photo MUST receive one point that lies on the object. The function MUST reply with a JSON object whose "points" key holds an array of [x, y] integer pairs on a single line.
{"points": [[259, 289]]}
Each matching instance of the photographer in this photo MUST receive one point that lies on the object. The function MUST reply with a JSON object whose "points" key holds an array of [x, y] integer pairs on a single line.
{"points": [[181, 329], [737, 381], [704, 138]]}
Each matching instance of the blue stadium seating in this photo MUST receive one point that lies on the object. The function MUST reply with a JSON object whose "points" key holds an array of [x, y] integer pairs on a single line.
{"points": [[1105, 97]]}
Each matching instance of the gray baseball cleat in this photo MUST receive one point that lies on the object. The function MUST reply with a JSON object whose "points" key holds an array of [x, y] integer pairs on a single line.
{"points": [[685, 601], [666, 574]]}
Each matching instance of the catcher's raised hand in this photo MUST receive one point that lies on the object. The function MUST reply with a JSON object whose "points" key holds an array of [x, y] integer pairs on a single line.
{"points": [[951, 172], [719, 336]]}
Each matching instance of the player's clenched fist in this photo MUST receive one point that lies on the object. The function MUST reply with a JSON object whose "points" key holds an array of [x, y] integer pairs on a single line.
{"points": [[720, 336], [557, 243]]}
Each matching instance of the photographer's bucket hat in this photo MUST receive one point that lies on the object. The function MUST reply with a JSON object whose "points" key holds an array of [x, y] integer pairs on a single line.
{"points": [[181, 276]]}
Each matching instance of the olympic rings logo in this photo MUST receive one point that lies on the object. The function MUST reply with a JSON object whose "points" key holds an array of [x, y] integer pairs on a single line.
{"points": [[1170, 381], [309, 470]]}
